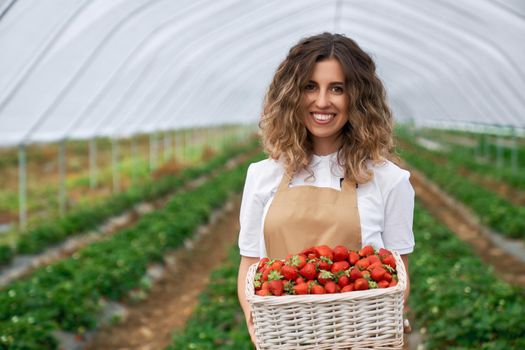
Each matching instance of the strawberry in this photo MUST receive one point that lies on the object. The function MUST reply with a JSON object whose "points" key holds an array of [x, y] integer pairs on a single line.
{"points": [[265, 286], [262, 263], [324, 250], [300, 288], [324, 263], [390, 261], [393, 283], [348, 288], [330, 287], [324, 276], [276, 265], [299, 280], [317, 289], [343, 281], [375, 265], [384, 252], [257, 281], [362, 264], [274, 275], [312, 256], [308, 251], [361, 284], [355, 274], [298, 261], [276, 287], [373, 259], [289, 272], [366, 274], [387, 277], [340, 253], [377, 274], [383, 284], [353, 257], [366, 251], [309, 271], [340, 266], [263, 292]]}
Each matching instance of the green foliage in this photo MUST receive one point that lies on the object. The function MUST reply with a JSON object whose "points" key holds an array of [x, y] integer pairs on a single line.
{"points": [[68, 294], [460, 301]]}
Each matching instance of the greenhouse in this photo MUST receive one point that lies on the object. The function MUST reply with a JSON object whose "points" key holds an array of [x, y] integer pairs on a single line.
{"points": [[144, 146]]}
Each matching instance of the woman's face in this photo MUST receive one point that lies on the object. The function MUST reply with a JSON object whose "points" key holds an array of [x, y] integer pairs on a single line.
{"points": [[326, 103]]}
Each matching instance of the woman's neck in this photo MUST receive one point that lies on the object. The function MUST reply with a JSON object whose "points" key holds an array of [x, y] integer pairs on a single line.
{"points": [[325, 146]]}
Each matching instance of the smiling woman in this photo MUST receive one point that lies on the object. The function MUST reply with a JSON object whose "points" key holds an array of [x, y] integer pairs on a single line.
{"points": [[327, 129]]}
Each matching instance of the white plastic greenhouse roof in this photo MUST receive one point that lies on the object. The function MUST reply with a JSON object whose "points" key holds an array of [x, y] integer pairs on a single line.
{"points": [[82, 68]]}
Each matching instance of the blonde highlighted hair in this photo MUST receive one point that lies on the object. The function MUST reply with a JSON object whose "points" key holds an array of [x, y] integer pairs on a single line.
{"points": [[368, 133]]}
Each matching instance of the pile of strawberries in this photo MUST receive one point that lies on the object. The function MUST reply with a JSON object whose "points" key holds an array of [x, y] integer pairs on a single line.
{"points": [[320, 270]]}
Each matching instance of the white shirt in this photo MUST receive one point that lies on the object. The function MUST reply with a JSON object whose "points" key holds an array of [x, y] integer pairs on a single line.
{"points": [[385, 203]]}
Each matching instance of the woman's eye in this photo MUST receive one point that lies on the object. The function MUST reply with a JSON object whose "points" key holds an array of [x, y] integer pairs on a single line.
{"points": [[338, 89], [309, 87]]}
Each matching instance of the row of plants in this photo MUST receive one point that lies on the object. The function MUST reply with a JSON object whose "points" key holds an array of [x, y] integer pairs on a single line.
{"points": [[457, 301], [88, 217], [464, 157], [69, 294], [492, 210]]}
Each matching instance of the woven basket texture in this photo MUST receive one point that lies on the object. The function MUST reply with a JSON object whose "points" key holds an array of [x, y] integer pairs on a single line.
{"points": [[369, 319]]}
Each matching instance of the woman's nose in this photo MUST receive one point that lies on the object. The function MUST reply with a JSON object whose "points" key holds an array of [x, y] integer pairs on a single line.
{"points": [[322, 99]]}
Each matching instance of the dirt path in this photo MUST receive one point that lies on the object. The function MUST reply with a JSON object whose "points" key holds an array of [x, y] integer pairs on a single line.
{"points": [[149, 324]]}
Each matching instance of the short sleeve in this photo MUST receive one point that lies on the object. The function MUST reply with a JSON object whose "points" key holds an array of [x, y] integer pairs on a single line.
{"points": [[399, 216], [250, 216]]}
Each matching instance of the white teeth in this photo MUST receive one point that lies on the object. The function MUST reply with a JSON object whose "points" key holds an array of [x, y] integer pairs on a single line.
{"points": [[323, 117]]}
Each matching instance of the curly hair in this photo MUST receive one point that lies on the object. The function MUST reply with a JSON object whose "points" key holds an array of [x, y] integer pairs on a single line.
{"points": [[367, 135]]}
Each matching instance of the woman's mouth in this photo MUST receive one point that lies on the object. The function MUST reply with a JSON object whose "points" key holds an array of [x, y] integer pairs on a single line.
{"points": [[323, 118]]}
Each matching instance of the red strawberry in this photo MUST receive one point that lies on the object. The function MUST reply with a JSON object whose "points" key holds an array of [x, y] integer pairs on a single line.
{"points": [[343, 281], [393, 283], [324, 276], [375, 265], [373, 259], [377, 274], [263, 292], [276, 265], [366, 251], [340, 253], [361, 284], [383, 252], [387, 277], [262, 263], [355, 274], [309, 271], [265, 285], [289, 272], [308, 251], [390, 261], [324, 250], [362, 264], [299, 280], [340, 266], [298, 260], [366, 274], [383, 284], [317, 289], [324, 263], [276, 287], [348, 288], [301, 288], [330, 287], [353, 257], [312, 256]]}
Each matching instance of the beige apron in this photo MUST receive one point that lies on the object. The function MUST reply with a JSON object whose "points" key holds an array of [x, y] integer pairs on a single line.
{"points": [[304, 216]]}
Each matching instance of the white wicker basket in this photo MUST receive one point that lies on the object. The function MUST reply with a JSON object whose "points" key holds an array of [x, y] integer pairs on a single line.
{"points": [[369, 319]]}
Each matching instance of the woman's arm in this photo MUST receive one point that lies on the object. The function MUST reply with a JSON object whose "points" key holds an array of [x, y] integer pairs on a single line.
{"points": [[245, 264], [407, 328]]}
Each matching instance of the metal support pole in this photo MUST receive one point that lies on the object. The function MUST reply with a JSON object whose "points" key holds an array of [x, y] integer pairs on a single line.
{"points": [[93, 162], [153, 151], [62, 178], [22, 187], [514, 153], [134, 162], [499, 151], [114, 162]]}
